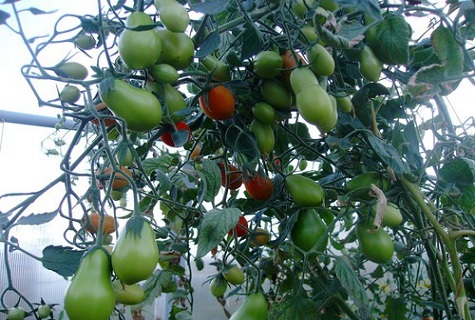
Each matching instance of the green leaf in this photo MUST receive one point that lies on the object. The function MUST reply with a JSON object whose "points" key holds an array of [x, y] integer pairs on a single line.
{"points": [[39, 218], [395, 308], [62, 260], [349, 281], [449, 51], [162, 162], [388, 155], [216, 224], [362, 101], [392, 40], [370, 7], [212, 176], [209, 6], [210, 44], [294, 307], [251, 41], [3, 17], [460, 171], [37, 11], [467, 200]]}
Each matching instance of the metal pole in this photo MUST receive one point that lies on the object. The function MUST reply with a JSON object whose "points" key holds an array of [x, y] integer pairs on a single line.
{"points": [[34, 120]]}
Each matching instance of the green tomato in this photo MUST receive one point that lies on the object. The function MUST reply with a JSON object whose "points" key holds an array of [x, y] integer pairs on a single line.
{"points": [[72, 70], [303, 164], [234, 275], [164, 73], [392, 215], [329, 5], [177, 49], [359, 186], [139, 49], [218, 286], [140, 109], [369, 66], [308, 34], [308, 229], [173, 15], [304, 191], [174, 100], [254, 308], [264, 136], [135, 256], [264, 112], [128, 294], [315, 106], [321, 61], [70, 94], [85, 42], [220, 70], [377, 246], [344, 104], [90, 294], [276, 94], [302, 78], [300, 9], [267, 64], [44, 311], [16, 313], [332, 119]]}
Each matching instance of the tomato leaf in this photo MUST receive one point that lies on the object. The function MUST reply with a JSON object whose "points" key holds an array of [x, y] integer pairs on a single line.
{"points": [[216, 224], [349, 281], [62, 260], [395, 308], [212, 176], [251, 41], [370, 7], [388, 154], [39, 218], [37, 11], [3, 17], [210, 43], [294, 307], [163, 162], [392, 40], [467, 200], [209, 6], [460, 171], [448, 50]]}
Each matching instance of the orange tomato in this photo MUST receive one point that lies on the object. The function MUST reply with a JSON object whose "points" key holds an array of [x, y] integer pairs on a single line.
{"points": [[101, 107], [218, 103], [93, 221], [234, 176], [289, 63], [120, 181]]}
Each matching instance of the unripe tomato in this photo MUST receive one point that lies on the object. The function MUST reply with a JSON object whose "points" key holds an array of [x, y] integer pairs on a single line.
{"points": [[264, 112], [163, 73], [72, 70], [304, 191], [329, 5], [377, 246], [174, 100], [16, 313], [234, 177], [359, 186], [175, 138], [332, 119], [300, 8], [219, 69], [177, 49], [120, 181], [85, 42], [173, 15], [344, 104], [259, 186], [267, 64], [320, 60], [234, 275], [276, 94], [93, 221], [260, 237], [240, 228], [70, 94], [128, 294], [370, 67], [302, 78], [90, 294], [315, 106], [218, 103], [139, 108], [44, 311], [308, 229], [308, 34], [392, 215], [254, 308], [139, 49], [303, 164], [264, 134], [135, 256], [218, 286]]}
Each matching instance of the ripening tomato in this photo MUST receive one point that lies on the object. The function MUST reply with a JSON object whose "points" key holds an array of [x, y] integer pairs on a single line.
{"points": [[90, 294], [289, 63], [232, 178], [233, 275], [308, 229], [369, 65], [255, 307], [259, 186], [177, 49], [260, 237], [267, 64], [304, 191], [102, 109], [120, 181], [241, 227], [178, 137], [376, 245], [135, 255], [218, 103], [92, 223]]}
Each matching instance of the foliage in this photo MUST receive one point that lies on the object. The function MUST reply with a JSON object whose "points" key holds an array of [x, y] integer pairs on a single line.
{"points": [[393, 141]]}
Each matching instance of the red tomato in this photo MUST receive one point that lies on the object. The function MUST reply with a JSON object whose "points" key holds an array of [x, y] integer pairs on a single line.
{"points": [[234, 176], [218, 103], [241, 227], [259, 187], [167, 137]]}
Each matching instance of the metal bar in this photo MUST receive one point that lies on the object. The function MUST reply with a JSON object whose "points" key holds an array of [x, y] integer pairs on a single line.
{"points": [[34, 120]]}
